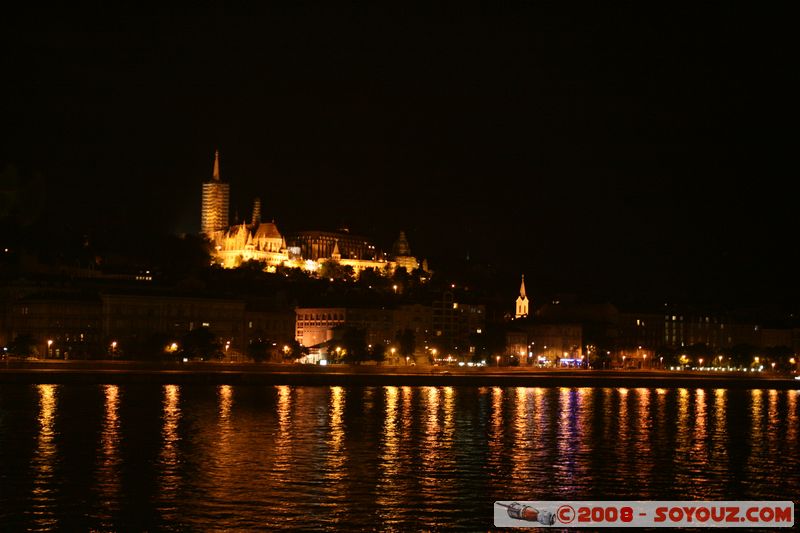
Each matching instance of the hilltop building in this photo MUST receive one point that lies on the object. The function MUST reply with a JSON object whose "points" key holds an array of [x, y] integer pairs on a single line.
{"points": [[309, 250]]}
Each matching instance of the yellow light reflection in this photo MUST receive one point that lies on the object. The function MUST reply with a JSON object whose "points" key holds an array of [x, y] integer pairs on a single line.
{"points": [[225, 401], [169, 449], [108, 456], [720, 435], [792, 415], [700, 425], [497, 456], [644, 433], [447, 426], [623, 418], [390, 484], [337, 427], [44, 459]]}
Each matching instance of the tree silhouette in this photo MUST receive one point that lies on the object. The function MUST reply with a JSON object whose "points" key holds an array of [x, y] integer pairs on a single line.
{"points": [[201, 343]]}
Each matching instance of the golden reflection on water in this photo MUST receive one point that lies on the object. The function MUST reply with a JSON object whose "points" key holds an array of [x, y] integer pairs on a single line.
{"points": [[522, 421], [791, 417], [719, 448], [336, 442], [682, 440], [699, 443], [225, 402], [564, 429], [756, 412], [522, 448], [582, 437], [431, 452], [108, 482], [623, 429], [390, 484], [44, 459], [448, 426], [663, 428], [755, 459], [406, 415], [391, 443], [773, 424], [497, 455], [773, 408], [643, 441], [169, 460]]}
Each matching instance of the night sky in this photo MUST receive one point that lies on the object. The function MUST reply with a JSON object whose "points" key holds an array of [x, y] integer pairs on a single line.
{"points": [[609, 151]]}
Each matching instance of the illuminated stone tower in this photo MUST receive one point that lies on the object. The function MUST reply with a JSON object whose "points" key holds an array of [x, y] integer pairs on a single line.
{"points": [[256, 212], [522, 300], [216, 195]]}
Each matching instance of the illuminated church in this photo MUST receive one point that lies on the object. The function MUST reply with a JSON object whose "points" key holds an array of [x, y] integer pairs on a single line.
{"points": [[309, 250]]}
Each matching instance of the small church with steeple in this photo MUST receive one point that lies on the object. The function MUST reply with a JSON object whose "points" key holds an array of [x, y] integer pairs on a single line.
{"points": [[522, 301]]}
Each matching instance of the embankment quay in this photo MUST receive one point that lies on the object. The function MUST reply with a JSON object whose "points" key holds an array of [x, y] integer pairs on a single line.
{"points": [[117, 372]]}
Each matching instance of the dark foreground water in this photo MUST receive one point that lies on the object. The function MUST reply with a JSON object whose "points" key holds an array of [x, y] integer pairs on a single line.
{"points": [[110, 457]]}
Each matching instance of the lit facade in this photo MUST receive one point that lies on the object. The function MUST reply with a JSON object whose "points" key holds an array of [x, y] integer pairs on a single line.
{"points": [[308, 250], [522, 300], [215, 203]]}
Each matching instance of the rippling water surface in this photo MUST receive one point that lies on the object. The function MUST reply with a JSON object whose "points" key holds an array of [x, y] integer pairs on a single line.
{"points": [[176, 457]]}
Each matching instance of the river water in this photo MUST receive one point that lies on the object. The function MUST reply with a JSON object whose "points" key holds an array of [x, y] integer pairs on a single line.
{"points": [[199, 457]]}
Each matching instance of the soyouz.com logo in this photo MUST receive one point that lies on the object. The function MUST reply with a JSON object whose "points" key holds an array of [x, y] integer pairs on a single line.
{"points": [[644, 514]]}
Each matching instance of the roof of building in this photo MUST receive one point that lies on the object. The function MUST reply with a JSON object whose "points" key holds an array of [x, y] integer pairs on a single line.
{"points": [[267, 230]]}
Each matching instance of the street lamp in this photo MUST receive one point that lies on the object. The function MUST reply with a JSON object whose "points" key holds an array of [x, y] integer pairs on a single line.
{"points": [[49, 345], [498, 360], [644, 363], [113, 349], [623, 362], [392, 350]]}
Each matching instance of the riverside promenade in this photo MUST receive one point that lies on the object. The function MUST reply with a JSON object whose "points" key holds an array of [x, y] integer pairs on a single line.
{"points": [[122, 372]]}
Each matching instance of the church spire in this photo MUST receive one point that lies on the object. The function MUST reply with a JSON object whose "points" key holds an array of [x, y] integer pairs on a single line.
{"points": [[522, 301], [215, 175]]}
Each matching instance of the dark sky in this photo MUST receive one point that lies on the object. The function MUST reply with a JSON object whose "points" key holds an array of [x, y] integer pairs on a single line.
{"points": [[613, 150]]}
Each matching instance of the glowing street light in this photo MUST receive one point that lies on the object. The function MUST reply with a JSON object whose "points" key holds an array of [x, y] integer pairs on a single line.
{"points": [[498, 360]]}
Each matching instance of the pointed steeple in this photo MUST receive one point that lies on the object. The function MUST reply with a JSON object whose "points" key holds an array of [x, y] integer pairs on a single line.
{"points": [[215, 175], [335, 255], [522, 301]]}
